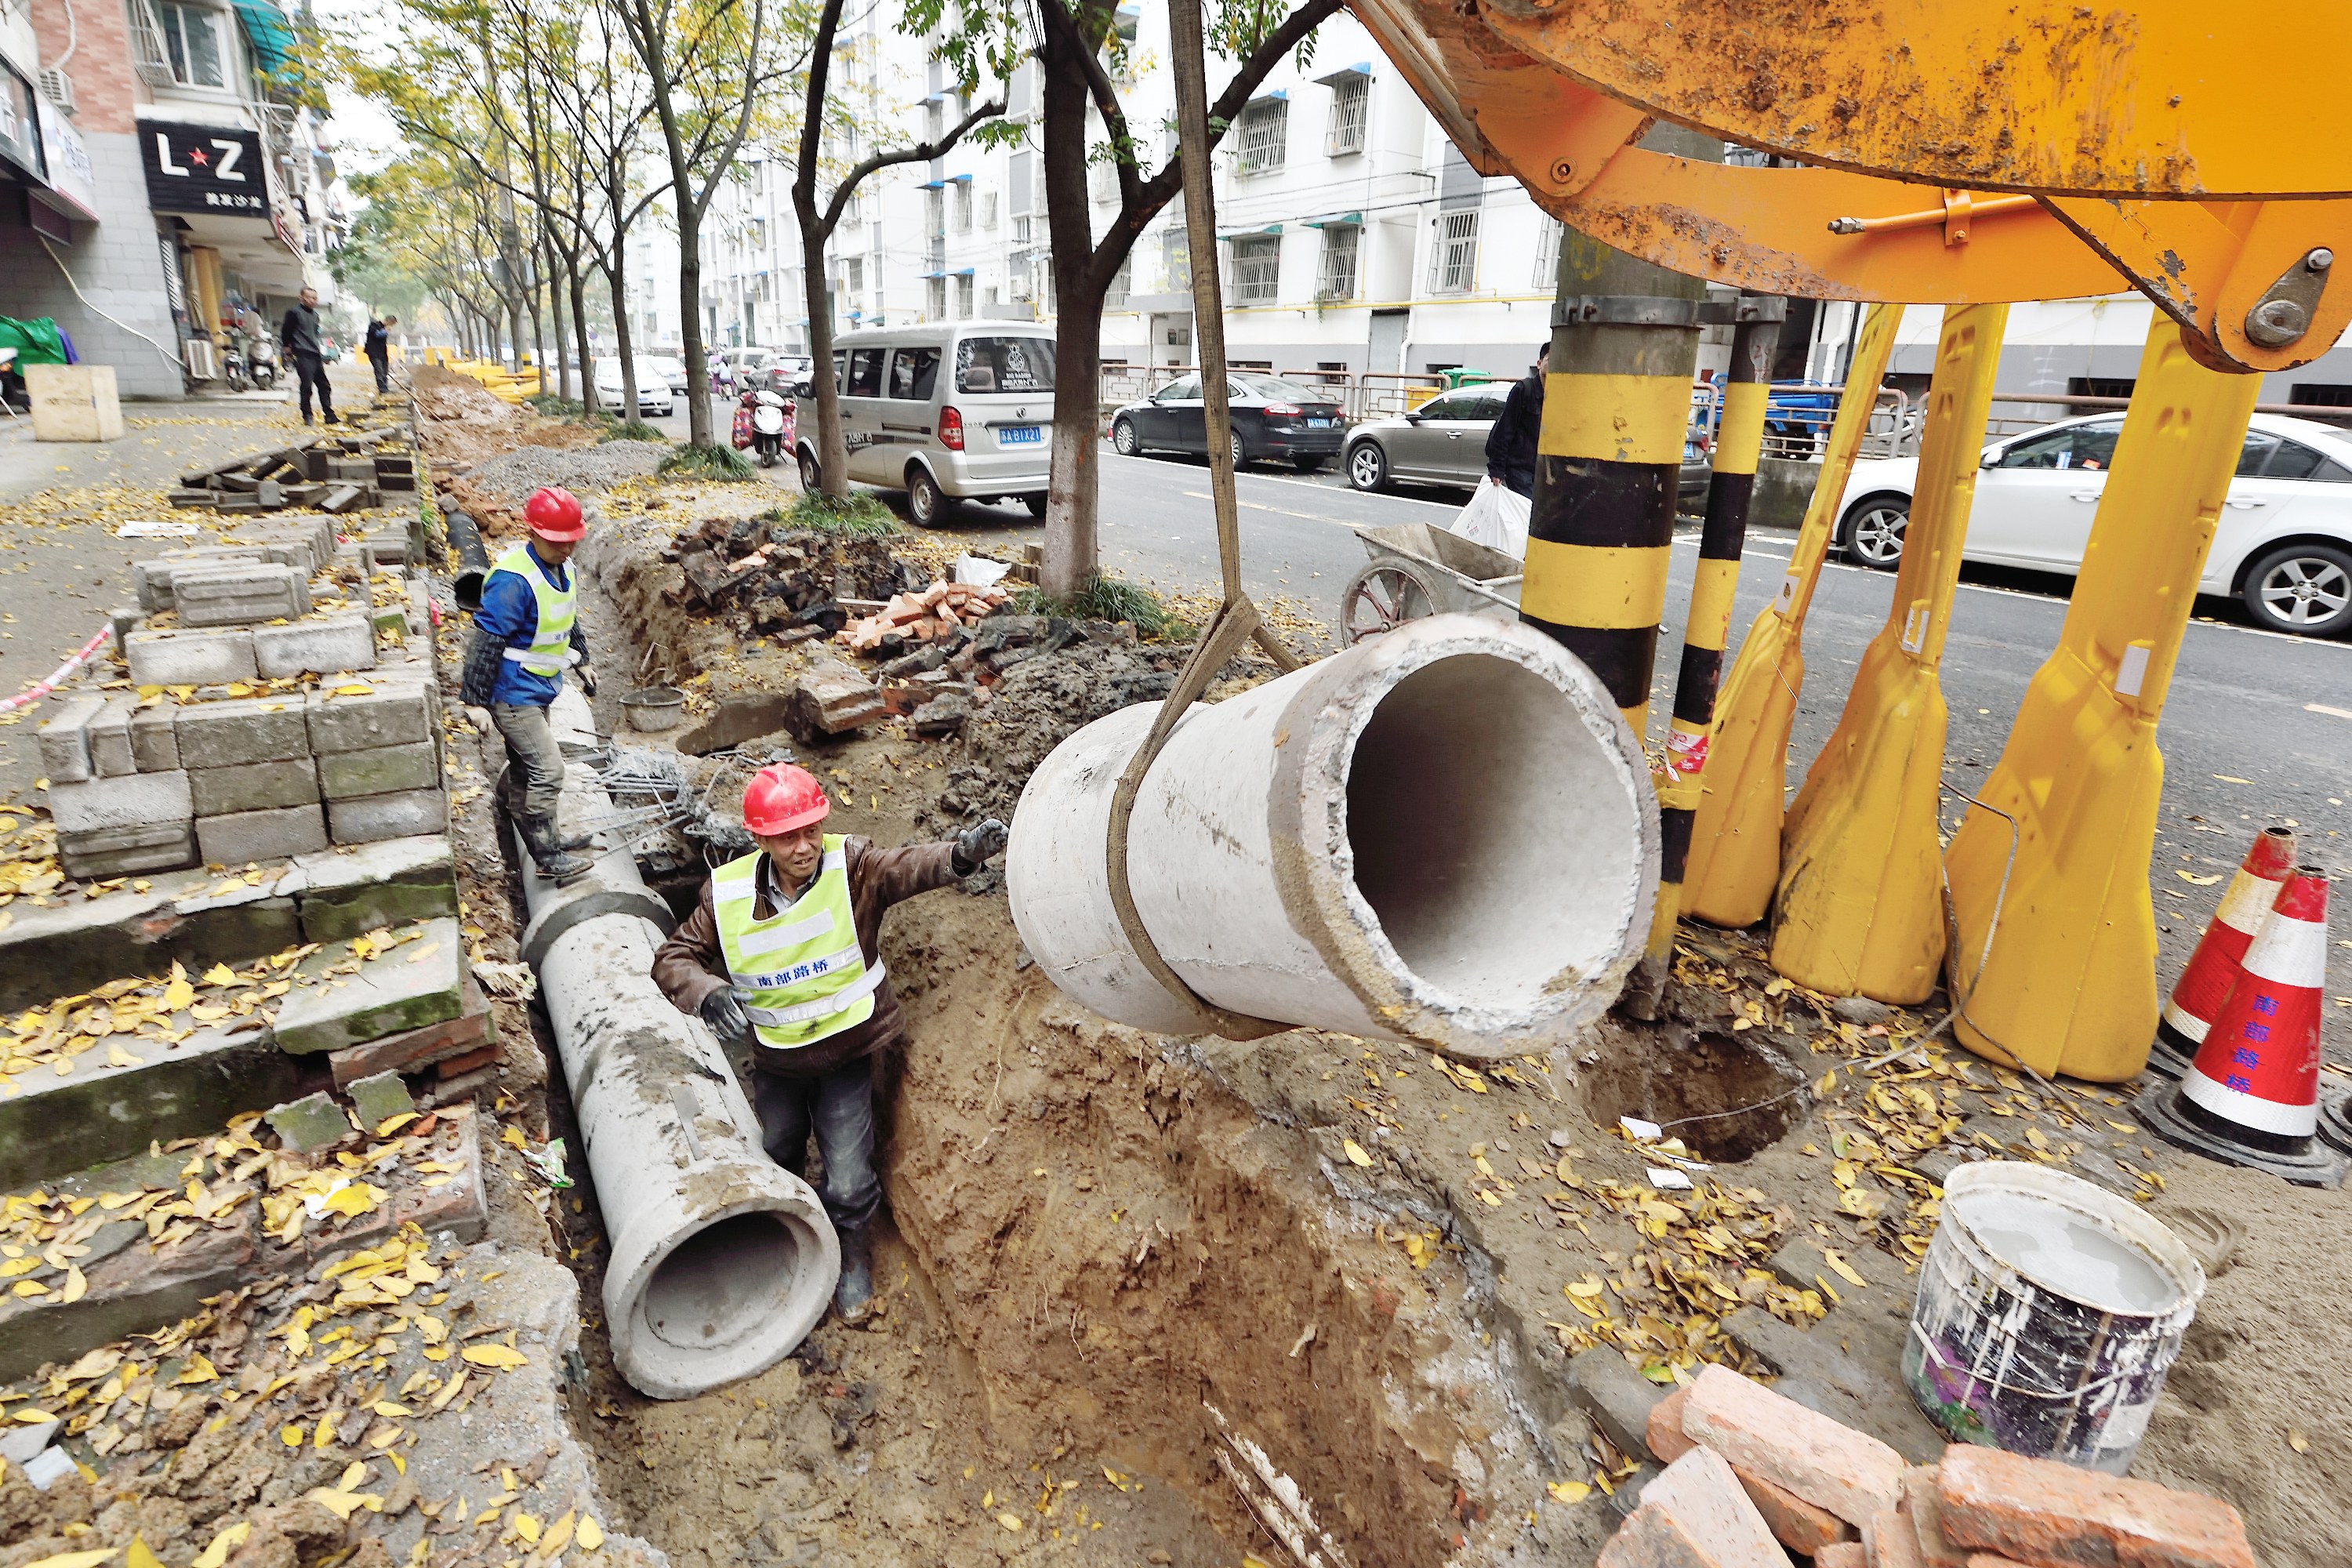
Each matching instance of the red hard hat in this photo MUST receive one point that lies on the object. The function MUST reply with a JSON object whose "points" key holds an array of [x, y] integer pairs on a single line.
{"points": [[554, 512], [782, 797]]}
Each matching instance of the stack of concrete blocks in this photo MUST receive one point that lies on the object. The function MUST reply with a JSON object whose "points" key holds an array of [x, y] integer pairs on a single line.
{"points": [[227, 779]]}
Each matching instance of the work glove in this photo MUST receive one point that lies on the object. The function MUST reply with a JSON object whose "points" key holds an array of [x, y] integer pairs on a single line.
{"points": [[726, 1018], [587, 674], [977, 845]]}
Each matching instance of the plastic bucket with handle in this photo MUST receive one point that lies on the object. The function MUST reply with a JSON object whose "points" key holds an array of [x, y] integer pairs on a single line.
{"points": [[2049, 1310]]}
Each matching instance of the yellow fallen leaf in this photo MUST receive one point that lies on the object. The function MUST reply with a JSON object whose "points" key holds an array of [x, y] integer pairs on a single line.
{"points": [[1009, 1521], [198, 1369], [292, 1434], [226, 1542], [392, 1124], [591, 1534], [512, 1137], [179, 992], [76, 1286], [74, 1559], [1355, 1152], [326, 1432], [1568, 1491], [387, 1409], [357, 1199], [220, 974], [526, 1525], [1845, 1270], [1588, 1287], [2297, 1440], [2231, 778], [494, 1356], [422, 954], [342, 1505], [140, 1556], [2193, 876], [557, 1537], [353, 1474], [354, 689]]}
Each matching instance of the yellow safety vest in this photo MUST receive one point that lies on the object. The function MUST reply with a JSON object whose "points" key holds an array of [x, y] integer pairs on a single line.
{"points": [[549, 652], [800, 973]]}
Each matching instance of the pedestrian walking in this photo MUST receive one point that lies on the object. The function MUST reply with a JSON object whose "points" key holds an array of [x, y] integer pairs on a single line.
{"points": [[299, 336], [378, 349], [1511, 443]]}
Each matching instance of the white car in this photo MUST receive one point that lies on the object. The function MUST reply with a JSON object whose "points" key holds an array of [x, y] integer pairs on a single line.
{"points": [[668, 368], [2283, 545], [654, 395]]}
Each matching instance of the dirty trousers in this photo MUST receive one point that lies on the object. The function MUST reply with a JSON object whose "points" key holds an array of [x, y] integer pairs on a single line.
{"points": [[839, 1105], [537, 762]]}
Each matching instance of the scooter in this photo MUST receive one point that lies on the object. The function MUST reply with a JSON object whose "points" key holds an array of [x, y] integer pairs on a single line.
{"points": [[761, 419], [261, 362], [232, 361]]}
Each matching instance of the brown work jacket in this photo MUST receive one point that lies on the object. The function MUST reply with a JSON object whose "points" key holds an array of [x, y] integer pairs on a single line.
{"points": [[689, 967]]}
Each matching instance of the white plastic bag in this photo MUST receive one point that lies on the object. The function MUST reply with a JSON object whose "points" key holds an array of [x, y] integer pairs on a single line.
{"points": [[1496, 518]]}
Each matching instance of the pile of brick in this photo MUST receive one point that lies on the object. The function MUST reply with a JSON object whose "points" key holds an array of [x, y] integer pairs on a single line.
{"points": [[333, 473], [1752, 1477], [938, 611], [281, 696]]}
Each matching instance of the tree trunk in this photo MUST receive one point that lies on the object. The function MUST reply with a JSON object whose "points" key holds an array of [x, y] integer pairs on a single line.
{"points": [[578, 284], [689, 300], [1071, 546], [538, 323], [617, 271], [832, 448]]}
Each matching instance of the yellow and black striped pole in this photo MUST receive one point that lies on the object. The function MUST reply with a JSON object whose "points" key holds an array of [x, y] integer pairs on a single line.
{"points": [[1738, 446]]}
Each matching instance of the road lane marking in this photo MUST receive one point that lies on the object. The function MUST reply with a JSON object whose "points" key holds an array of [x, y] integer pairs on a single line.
{"points": [[1285, 511], [2324, 708]]}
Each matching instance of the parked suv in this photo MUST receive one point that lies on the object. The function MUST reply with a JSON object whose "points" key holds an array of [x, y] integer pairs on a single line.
{"points": [[947, 412]]}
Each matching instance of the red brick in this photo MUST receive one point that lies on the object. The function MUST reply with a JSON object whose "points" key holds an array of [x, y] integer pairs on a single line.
{"points": [[1694, 1515], [1889, 1540], [1828, 1465], [458, 1067], [1794, 1522], [1926, 1512], [2040, 1511], [1665, 1438], [1844, 1555], [1984, 1559], [416, 1048]]}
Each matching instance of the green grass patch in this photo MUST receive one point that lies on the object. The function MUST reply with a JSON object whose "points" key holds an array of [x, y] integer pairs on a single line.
{"points": [[613, 429], [858, 515], [1104, 599], [556, 407], [721, 465]]}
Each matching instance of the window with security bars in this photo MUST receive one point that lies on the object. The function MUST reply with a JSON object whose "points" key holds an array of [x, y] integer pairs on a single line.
{"points": [[1341, 242], [963, 298], [1122, 283], [1350, 101], [1175, 258], [935, 306], [1257, 269], [987, 209], [1265, 136], [960, 206], [1546, 268], [1453, 253]]}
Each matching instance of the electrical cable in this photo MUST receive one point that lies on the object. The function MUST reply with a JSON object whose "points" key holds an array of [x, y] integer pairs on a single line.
{"points": [[177, 363]]}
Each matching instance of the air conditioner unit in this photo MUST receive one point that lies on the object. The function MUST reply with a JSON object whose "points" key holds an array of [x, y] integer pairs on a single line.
{"points": [[58, 87], [202, 364]]}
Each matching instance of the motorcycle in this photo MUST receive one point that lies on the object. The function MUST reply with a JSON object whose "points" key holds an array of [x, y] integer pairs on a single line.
{"points": [[261, 362], [232, 361], [762, 421]]}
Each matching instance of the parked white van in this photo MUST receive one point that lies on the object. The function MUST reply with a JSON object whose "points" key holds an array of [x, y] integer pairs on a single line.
{"points": [[953, 411]]}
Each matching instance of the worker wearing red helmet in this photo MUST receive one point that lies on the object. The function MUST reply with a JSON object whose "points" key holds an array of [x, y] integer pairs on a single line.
{"points": [[782, 957], [526, 635]]}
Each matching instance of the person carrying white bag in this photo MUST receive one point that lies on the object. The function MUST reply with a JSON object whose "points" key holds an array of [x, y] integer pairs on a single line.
{"points": [[1496, 518]]}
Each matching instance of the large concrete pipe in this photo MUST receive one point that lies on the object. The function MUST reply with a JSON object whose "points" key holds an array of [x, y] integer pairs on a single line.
{"points": [[473, 559], [722, 1261], [1446, 834]]}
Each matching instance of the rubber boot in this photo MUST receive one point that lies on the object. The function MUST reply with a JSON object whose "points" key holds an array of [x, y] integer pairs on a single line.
{"points": [[852, 1293], [555, 863]]}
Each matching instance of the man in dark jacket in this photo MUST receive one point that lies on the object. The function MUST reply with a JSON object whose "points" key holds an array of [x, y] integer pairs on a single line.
{"points": [[378, 349], [782, 956], [1511, 443], [298, 335]]}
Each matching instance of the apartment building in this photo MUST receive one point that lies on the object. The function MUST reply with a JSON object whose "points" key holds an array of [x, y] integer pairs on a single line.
{"points": [[160, 183]]}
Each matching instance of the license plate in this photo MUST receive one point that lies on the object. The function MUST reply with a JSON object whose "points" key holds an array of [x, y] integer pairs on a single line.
{"points": [[1019, 435], [1319, 424]]}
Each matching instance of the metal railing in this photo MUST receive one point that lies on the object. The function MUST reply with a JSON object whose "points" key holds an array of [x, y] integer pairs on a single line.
{"points": [[1796, 430]]}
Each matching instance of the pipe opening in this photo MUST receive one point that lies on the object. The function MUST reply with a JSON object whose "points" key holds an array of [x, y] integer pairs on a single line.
{"points": [[1482, 813], [722, 1282]]}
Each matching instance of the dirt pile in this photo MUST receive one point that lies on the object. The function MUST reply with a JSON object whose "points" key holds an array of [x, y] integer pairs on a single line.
{"points": [[460, 424], [1035, 706], [512, 476], [761, 578]]}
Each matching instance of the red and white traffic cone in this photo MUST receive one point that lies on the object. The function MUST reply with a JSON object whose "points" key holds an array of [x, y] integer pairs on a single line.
{"points": [[2251, 1096], [2204, 985]]}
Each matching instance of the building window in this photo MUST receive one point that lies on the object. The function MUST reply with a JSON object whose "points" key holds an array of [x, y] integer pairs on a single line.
{"points": [[963, 298], [1176, 257], [1021, 230], [1340, 243], [1257, 269], [960, 206], [935, 215], [1264, 133], [195, 43], [988, 211], [1454, 252], [1350, 101], [1122, 282], [1547, 272], [936, 290]]}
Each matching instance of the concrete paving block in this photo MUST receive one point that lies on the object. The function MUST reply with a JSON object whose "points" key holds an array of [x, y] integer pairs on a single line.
{"points": [[140, 800], [253, 787], [154, 741], [137, 1290], [391, 883], [110, 738], [379, 770], [393, 712], [308, 542], [454, 1039], [64, 737], [344, 641], [54, 1125], [229, 733], [310, 1123], [189, 657], [152, 579], [417, 983], [20, 1443], [364, 819], [121, 851], [378, 1097], [1618, 1398], [77, 944], [241, 838], [237, 595], [1847, 1372]]}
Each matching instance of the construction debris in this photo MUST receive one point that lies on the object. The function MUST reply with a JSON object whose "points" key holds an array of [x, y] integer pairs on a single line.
{"points": [[329, 472], [938, 612], [763, 580]]}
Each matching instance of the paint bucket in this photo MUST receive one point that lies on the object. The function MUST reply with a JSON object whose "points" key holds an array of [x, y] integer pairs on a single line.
{"points": [[655, 709], [2049, 1310]]}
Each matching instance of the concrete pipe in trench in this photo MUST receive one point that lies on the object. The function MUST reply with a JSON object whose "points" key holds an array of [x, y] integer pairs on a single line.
{"points": [[1444, 834], [722, 1261]]}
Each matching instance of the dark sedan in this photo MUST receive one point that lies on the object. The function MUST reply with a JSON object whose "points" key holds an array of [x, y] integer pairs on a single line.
{"points": [[1272, 418]]}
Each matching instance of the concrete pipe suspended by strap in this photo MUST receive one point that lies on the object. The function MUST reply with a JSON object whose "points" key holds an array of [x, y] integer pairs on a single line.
{"points": [[1446, 835], [722, 1261]]}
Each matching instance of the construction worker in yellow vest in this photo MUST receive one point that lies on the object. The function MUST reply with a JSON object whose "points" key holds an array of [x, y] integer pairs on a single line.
{"points": [[780, 957], [526, 635]]}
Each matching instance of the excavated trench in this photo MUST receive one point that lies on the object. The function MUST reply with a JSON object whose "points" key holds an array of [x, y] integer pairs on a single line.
{"points": [[1128, 1295], [1727, 1096]]}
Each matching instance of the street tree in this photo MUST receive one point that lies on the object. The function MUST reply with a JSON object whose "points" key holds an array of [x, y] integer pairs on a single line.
{"points": [[1079, 49]]}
